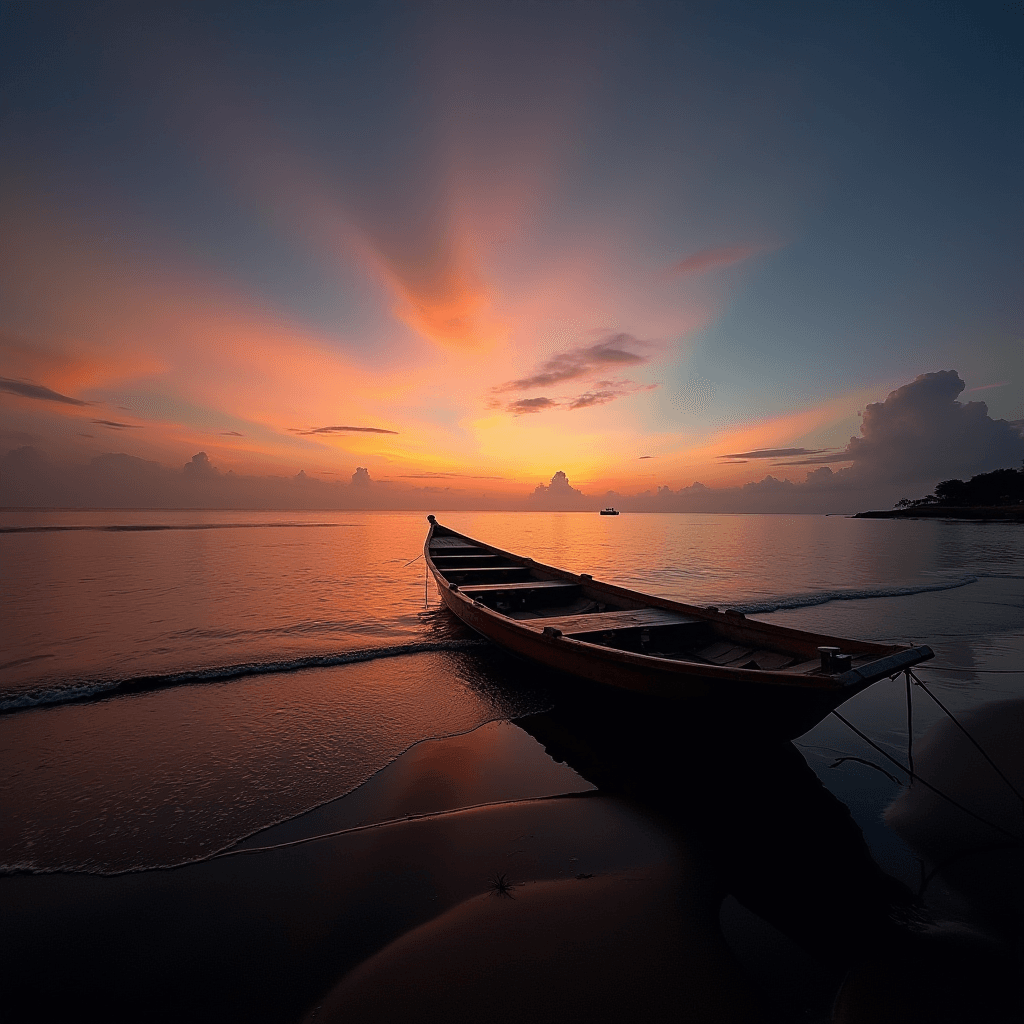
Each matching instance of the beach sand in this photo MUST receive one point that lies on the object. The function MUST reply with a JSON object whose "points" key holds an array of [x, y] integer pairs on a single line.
{"points": [[386, 903], [266, 936], [631, 945]]}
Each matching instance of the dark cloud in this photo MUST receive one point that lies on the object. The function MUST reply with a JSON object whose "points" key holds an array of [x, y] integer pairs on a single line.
{"points": [[774, 453], [343, 430], [525, 405], [615, 389], [580, 361], [709, 259], [231, 433], [646, 456], [818, 460], [114, 425], [24, 390], [361, 477], [921, 432]]}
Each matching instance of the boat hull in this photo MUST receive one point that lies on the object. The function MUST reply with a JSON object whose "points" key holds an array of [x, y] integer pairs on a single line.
{"points": [[781, 704]]}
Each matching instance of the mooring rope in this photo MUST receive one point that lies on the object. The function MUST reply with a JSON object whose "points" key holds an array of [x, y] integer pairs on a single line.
{"points": [[953, 719], [910, 726], [917, 778]]}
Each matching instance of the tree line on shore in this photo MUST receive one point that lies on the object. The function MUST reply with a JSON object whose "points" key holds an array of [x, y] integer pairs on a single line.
{"points": [[1000, 487]]}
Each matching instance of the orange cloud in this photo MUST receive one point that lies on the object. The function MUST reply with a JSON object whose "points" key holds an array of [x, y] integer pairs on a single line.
{"points": [[440, 294]]}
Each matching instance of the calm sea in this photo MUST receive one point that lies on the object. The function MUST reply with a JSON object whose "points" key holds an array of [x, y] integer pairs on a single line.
{"points": [[173, 681]]}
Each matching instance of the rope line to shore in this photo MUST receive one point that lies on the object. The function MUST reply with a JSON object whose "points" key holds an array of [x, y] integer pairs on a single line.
{"points": [[953, 719], [1017, 840]]}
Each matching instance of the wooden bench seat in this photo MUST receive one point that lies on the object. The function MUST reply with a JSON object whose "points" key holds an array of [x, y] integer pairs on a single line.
{"points": [[446, 558], [474, 590], [599, 622], [466, 570]]}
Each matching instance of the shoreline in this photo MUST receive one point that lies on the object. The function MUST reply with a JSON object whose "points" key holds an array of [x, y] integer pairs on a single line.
{"points": [[975, 513]]}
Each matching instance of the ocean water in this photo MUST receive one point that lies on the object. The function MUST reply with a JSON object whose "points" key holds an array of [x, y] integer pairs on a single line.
{"points": [[172, 682]]}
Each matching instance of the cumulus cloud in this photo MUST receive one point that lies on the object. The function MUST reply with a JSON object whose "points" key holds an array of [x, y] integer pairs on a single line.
{"points": [[200, 467], [25, 390], [573, 363], [921, 432], [710, 259], [559, 494], [342, 430], [28, 479]]}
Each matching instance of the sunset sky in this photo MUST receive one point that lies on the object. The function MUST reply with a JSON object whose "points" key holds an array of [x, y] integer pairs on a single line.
{"points": [[468, 246]]}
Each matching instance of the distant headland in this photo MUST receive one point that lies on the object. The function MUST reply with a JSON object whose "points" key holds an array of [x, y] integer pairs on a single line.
{"points": [[995, 495]]}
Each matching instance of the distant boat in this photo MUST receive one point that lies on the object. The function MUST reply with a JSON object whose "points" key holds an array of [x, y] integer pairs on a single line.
{"points": [[720, 667], [609, 512]]}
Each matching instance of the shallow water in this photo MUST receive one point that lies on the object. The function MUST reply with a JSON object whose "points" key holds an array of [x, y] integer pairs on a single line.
{"points": [[205, 610]]}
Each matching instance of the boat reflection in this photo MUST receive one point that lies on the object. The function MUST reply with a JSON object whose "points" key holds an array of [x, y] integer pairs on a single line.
{"points": [[757, 817], [763, 829]]}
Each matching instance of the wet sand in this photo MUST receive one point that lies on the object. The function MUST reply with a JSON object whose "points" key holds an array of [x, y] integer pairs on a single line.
{"points": [[642, 944], [266, 936], [685, 889]]}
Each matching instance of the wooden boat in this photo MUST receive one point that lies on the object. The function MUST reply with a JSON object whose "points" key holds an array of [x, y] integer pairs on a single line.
{"points": [[721, 666], [609, 512]]}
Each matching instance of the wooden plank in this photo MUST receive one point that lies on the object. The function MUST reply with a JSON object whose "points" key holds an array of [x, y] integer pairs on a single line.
{"points": [[498, 588], [467, 569], [770, 661], [805, 667], [596, 622], [448, 543], [715, 651], [725, 653], [459, 558]]}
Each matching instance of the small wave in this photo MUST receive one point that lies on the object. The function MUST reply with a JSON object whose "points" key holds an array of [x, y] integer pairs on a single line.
{"points": [[775, 604], [149, 527], [98, 688]]}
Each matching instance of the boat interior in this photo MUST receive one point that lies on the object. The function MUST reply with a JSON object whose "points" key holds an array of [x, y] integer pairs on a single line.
{"points": [[544, 602]]}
